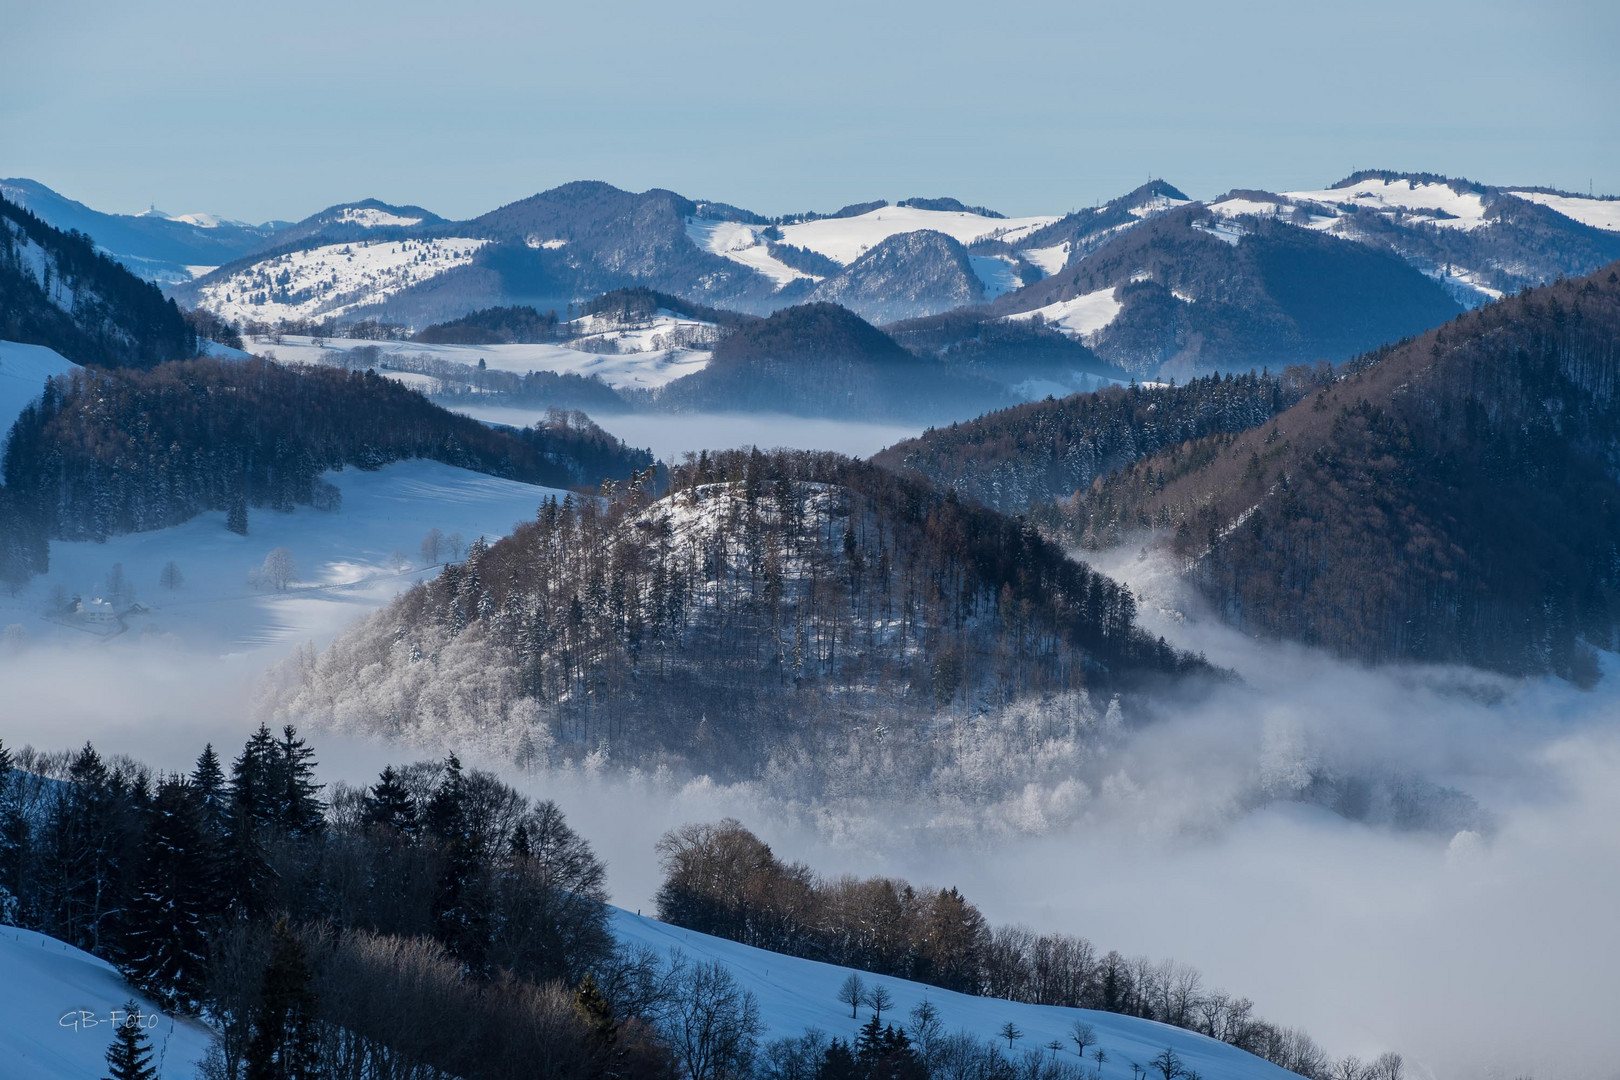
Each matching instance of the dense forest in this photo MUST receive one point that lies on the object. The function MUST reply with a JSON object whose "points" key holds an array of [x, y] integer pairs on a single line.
{"points": [[801, 608], [1022, 459], [905, 276], [822, 360], [105, 452], [57, 290], [721, 879], [1451, 497]]}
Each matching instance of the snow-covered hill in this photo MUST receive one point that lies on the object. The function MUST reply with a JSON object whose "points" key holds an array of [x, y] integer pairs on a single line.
{"points": [[331, 280], [57, 1003], [796, 994]]}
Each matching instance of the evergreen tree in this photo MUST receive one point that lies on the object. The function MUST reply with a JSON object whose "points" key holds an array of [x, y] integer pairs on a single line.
{"points": [[389, 804], [165, 944], [208, 781], [299, 810], [250, 821], [130, 1055], [284, 1043]]}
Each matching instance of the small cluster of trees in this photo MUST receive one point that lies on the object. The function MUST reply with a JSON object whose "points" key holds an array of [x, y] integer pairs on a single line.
{"points": [[721, 879]]}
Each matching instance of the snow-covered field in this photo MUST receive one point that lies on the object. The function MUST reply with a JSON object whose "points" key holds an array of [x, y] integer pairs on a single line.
{"points": [[1049, 259], [645, 368], [845, 239], [23, 371], [47, 987], [346, 562], [1081, 316], [1598, 213], [796, 994], [333, 279], [1466, 210]]}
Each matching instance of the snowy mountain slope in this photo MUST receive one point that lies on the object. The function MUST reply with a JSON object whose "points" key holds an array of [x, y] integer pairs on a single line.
{"points": [[795, 994], [23, 371], [46, 989], [346, 560], [845, 239], [331, 280]]}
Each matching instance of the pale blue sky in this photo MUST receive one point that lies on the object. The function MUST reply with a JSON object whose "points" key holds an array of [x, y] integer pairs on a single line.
{"points": [[280, 109]]}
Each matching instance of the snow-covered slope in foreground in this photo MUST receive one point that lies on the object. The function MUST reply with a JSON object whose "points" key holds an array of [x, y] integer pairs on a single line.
{"points": [[45, 985], [797, 994]]}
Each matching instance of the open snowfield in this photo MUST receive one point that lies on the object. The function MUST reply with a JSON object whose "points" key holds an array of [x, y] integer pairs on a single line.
{"points": [[1467, 210], [1081, 316], [47, 987], [345, 561], [23, 371], [846, 239], [646, 368], [796, 994], [1598, 213]]}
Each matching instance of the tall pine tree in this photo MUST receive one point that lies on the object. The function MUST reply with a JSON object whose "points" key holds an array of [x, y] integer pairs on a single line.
{"points": [[130, 1055]]}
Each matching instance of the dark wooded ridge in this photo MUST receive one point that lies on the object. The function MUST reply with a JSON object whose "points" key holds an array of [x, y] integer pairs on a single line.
{"points": [[1452, 497]]}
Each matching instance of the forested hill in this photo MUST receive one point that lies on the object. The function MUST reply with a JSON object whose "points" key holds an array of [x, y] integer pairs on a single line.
{"points": [[114, 451], [794, 609], [1018, 460], [820, 359], [57, 290], [1455, 497]]}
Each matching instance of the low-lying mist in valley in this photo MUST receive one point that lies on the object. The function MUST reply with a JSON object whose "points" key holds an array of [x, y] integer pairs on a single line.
{"points": [[1417, 859]]}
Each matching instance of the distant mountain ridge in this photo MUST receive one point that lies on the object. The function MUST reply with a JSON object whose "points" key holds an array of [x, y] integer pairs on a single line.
{"points": [[559, 247]]}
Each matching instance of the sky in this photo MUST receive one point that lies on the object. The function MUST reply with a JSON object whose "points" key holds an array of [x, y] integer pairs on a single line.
{"points": [[276, 111]]}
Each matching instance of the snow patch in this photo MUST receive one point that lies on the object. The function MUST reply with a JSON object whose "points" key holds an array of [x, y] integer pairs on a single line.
{"points": [[1049, 259], [846, 239], [998, 273], [1598, 213], [370, 217], [742, 243], [1466, 210], [1081, 316]]}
